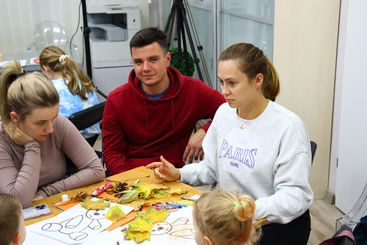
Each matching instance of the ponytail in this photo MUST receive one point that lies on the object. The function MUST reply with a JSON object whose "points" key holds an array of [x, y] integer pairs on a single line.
{"points": [[271, 85], [22, 93], [9, 74], [57, 61]]}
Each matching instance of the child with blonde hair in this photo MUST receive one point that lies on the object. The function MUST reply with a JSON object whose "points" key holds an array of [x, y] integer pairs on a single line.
{"points": [[222, 217], [12, 228], [75, 88]]}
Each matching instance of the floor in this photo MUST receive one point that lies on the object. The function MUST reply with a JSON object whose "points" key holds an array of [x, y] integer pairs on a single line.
{"points": [[323, 216]]}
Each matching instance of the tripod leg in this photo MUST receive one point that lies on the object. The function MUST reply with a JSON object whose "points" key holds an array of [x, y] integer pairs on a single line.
{"points": [[199, 46], [191, 42]]}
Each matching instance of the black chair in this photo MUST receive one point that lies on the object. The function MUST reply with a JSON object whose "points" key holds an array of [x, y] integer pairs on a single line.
{"points": [[88, 117], [313, 149], [84, 119]]}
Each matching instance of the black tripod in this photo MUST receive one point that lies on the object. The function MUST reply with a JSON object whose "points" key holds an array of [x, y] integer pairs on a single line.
{"points": [[86, 32], [177, 16]]}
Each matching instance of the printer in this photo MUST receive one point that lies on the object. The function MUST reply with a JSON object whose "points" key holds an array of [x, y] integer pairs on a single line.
{"points": [[112, 25]]}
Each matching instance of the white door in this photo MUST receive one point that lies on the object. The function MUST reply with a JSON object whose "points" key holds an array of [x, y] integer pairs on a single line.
{"points": [[350, 118]]}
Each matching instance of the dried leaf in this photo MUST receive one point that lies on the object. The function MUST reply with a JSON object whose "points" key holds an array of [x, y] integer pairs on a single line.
{"points": [[141, 227], [115, 213], [160, 194], [137, 236], [178, 191], [95, 204], [129, 196]]}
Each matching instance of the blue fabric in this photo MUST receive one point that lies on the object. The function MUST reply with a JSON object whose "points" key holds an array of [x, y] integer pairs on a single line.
{"points": [[71, 103]]}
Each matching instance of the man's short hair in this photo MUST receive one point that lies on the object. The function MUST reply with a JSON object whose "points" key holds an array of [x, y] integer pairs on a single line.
{"points": [[148, 36]]}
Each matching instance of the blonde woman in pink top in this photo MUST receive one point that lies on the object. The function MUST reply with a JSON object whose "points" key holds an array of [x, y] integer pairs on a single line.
{"points": [[34, 140]]}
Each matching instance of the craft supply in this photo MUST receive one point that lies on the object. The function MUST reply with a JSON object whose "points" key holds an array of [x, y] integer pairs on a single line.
{"points": [[129, 217], [168, 206], [102, 188], [64, 197], [192, 198]]}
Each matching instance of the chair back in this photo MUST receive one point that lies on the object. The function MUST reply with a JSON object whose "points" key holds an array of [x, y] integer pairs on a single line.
{"points": [[88, 117]]}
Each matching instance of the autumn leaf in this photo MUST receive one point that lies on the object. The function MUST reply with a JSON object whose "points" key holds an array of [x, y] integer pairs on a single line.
{"points": [[95, 204], [129, 196], [115, 213], [178, 191], [137, 236], [141, 227]]}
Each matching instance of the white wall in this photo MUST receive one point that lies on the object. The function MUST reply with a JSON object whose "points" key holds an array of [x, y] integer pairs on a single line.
{"points": [[350, 131], [18, 19], [305, 41]]}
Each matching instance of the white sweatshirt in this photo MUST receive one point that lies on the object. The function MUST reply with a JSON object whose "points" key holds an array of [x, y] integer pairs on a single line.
{"points": [[268, 158]]}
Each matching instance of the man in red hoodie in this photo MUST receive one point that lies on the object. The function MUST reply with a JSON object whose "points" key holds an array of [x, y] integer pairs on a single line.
{"points": [[155, 113]]}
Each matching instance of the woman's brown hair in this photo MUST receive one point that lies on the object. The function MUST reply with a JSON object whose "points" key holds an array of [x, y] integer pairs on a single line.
{"points": [[252, 61]]}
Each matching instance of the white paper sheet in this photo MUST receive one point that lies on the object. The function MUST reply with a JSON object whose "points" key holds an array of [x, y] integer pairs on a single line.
{"points": [[73, 226], [178, 229]]}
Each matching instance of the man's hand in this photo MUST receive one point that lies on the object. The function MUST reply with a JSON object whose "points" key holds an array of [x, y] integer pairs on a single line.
{"points": [[165, 170], [194, 149]]}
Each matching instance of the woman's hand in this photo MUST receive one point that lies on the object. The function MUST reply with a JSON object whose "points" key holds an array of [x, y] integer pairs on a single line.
{"points": [[165, 170], [17, 134]]}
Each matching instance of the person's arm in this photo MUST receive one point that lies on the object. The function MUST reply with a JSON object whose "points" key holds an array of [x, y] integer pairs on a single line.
{"points": [[20, 182], [293, 193], [90, 169], [208, 103], [194, 150], [195, 174], [113, 140]]}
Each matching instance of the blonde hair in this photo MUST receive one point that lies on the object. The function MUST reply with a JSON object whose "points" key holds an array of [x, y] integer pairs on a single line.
{"points": [[252, 61], [226, 217], [55, 59], [22, 93], [10, 213]]}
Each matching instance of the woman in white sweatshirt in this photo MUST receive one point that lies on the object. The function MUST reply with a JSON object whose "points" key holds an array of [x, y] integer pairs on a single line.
{"points": [[255, 146]]}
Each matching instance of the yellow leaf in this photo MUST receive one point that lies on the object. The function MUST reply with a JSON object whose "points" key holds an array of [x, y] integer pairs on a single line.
{"points": [[137, 236], [143, 190], [177, 191], [95, 204], [141, 227], [129, 196], [115, 213]]}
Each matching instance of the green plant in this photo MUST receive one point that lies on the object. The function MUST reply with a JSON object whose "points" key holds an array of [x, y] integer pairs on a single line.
{"points": [[183, 61]]}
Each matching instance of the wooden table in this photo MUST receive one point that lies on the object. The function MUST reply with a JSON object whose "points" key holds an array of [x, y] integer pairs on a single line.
{"points": [[144, 174]]}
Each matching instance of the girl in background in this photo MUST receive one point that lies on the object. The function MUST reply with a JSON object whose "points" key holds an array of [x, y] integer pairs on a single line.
{"points": [[75, 88]]}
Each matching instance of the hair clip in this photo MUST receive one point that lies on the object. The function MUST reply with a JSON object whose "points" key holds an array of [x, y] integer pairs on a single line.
{"points": [[63, 58]]}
